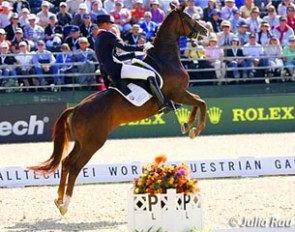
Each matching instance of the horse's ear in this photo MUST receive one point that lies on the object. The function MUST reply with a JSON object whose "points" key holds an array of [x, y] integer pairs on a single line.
{"points": [[172, 6], [182, 6]]}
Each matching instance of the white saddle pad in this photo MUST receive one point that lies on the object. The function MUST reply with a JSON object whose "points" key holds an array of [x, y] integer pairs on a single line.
{"points": [[138, 95]]}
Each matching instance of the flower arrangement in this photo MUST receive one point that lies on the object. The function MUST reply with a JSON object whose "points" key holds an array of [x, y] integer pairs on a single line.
{"points": [[157, 177]]}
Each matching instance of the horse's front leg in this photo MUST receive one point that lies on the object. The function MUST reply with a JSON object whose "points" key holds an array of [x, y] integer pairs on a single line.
{"points": [[194, 100], [186, 126]]}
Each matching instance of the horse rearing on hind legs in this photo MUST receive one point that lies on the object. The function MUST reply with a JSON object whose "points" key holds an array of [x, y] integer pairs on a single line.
{"points": [[90, 122]]}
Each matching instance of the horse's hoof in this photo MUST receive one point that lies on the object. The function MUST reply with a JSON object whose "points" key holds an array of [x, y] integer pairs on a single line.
{"points": [[58, 203], [184, 128], [63, 210], [193, 133]]}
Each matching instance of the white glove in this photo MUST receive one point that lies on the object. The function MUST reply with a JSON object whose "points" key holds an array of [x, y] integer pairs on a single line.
{"points": [[147, 46]]}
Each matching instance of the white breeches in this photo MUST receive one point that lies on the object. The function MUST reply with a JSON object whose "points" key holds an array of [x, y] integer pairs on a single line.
{"points": [[134, 72]]}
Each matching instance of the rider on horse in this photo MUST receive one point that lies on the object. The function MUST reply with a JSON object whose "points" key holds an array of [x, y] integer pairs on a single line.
{"points": [[112, 66]]}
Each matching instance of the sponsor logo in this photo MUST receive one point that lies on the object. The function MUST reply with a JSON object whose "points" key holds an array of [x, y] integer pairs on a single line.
{"points": [[21, 127], [214, 114], [183, 115], [155, 120], [263, 114]]}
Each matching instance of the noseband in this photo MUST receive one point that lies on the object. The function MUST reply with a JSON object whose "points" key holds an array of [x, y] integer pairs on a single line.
{"points": [[193, 32]]}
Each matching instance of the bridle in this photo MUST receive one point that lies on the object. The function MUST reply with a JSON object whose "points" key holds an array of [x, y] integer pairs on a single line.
{"points": [[185, 22]]}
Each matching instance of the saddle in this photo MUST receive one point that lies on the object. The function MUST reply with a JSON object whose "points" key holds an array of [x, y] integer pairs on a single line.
{"points": [[140, 91]]}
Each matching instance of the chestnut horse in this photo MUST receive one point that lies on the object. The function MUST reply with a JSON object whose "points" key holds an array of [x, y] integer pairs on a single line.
{"points": [[90, 122]]}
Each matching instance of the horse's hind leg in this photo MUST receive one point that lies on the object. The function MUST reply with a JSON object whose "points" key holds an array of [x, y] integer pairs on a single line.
{"points": [[64, 173], [74, 170]]}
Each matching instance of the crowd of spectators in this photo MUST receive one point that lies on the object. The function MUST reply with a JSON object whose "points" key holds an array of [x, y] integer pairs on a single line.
{"points": [[52, 40]]}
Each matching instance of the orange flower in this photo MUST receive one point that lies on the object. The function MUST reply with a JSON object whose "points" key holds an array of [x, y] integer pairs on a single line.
{"points": [[160, 159]]}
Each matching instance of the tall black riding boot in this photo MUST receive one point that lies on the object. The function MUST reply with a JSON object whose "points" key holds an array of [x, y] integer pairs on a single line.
{"points": [[118, 83], [163, 104], [157, 91]]}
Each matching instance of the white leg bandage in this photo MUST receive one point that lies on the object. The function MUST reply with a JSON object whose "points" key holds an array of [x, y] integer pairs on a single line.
{"points": [[67, 200], [134, 72]]}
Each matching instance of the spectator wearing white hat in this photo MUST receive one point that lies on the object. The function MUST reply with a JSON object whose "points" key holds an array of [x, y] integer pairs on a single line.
{"points": [[44, 14], [25, 64], [18, 38], [63, 16], [96, 9], [33, 32], [24, 17], [214, 56], [135, 36], [78, 17], [225, 36], [227, 11], [6, 70], [121, 15], [18, 5], [137, 12], [5, 14], [73, 6], [158, 14], [149, 27], [87, 57], [191, 8]]}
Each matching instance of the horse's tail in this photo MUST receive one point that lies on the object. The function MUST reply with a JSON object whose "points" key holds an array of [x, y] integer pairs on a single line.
{"points": [[60, 137]]}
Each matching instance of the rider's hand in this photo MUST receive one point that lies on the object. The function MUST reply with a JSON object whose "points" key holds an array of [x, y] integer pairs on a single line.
{"points": [[147, 46]]}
